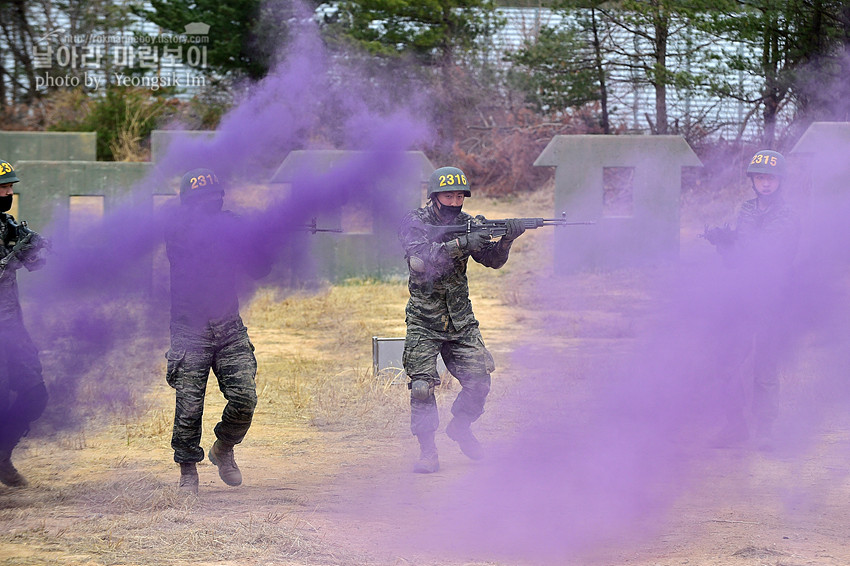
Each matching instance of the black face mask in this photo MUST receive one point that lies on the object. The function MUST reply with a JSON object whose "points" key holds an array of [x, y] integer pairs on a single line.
{"points": [[207, 204], [211, 206], [448, 212], [5, 203]]}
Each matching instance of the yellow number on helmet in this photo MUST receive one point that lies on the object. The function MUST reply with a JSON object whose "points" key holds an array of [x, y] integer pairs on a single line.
{"points": [[442, 180], [463, 180]]}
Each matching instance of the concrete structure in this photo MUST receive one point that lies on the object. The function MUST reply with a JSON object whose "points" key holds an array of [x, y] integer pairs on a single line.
{"points": [[818, 182], [57, 191], [49, 191], [47, 188], [368, 246], [635, 224], [48, 146], [387, 364], [823, 149]]}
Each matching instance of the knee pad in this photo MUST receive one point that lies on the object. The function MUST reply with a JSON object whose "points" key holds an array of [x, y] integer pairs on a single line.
{"points": [[420, 389]]}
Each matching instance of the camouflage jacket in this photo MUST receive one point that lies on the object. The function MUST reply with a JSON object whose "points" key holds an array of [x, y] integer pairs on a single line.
{"points": [[767, 237], [207, 261], [439, 290], [28, 256]]}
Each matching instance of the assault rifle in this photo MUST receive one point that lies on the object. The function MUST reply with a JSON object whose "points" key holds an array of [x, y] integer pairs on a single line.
{"points": [[497, 228], [311, 227], [19, 236], [15, 232]]}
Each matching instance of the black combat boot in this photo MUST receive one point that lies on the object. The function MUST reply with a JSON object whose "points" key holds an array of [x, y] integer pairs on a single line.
{"points": [[222, 456], [458, 430], [428, 462], [188, 478], [8, 474]]}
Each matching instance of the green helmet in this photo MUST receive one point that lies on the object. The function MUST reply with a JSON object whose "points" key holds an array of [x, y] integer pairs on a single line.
{"points": [[198, 184], [7, 173], [447, 179], [767, 161]]}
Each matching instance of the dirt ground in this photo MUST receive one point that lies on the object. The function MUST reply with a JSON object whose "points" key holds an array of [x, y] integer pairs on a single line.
{"points": [[329, 435]]}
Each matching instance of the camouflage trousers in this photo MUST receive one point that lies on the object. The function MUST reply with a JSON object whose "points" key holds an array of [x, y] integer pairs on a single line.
{"points": [[465, 357], [766, 341], [223, 347], [23, 396]]}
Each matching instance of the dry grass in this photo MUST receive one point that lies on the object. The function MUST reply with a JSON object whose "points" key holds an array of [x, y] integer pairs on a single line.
{"points": [[127, 144], [321, 363], [105, 493]]}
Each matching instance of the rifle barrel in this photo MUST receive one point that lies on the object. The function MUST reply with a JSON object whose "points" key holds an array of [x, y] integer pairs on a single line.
{"points": [[561, 222]]}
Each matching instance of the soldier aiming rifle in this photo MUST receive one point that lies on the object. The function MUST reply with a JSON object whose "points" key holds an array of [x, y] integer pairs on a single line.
{"points": [[438, 240]]}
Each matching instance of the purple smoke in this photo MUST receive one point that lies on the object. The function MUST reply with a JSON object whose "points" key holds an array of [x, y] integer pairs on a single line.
{"points": [[598, 459], [583, 469], [91, 299]]}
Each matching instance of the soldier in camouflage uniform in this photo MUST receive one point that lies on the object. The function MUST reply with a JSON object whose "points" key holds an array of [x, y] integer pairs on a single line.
{"points": [[23, 396], [761, 250], [206, 329], [439, 314]]}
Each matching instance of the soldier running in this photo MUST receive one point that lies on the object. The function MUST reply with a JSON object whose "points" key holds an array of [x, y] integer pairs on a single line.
{"points": [[206, 328]]}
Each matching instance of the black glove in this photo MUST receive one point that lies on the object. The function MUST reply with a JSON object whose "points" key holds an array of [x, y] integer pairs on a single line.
{"points": [[514, 228], [473, 241], [720, 237]]}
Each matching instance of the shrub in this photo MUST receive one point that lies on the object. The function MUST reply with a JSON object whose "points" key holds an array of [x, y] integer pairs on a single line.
{"points": [[123, 119], [500, 149]]}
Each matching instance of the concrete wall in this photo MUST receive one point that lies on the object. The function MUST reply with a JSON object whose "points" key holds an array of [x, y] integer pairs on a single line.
{"points": [[48, 146], [819, 181], [823, 149], [46, 188], [649, 230], [373, 251], [49, 179]]}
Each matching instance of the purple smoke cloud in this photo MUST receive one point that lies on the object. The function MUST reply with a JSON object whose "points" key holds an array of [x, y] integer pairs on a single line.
{"points": [[574, 477], [93, 298], [597, 460]]}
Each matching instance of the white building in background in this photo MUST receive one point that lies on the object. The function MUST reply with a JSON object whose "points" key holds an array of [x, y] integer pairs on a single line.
{"points": [[631, 99], [94, 61]]}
